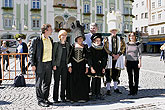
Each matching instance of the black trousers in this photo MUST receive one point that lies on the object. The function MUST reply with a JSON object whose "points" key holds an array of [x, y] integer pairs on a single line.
{"points": [[43, 81], [0, 73], [5, 58], [23, 64], [112, 73], [61, 71], [96, 86], [132, 67]]}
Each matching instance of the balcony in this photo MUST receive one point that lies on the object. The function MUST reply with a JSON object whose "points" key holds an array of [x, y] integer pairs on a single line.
{"points": [[7, 8], [87, 14], [62, 6], [35, 9], [100, 15]]}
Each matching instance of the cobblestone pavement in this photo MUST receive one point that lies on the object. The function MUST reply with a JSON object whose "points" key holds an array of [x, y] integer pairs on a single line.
{"points": [[151, 94]]}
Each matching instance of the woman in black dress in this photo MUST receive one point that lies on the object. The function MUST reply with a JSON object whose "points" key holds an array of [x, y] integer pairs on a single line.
{"points": [[78, 67]]}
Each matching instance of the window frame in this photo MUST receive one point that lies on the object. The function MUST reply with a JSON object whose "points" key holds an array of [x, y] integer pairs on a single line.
{"points": [[8, 4], [86, 8], [36, 4]]}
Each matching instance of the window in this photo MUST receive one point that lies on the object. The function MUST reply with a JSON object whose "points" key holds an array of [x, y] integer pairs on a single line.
{"points": [[142, 29], [100, 27], [146, 29], [36, 22], [136, 17], [8, 3], [159, 3], [162, 30], [142, 3], [86, 8], [146, 15], [159, 16], [99, 9], [142, 15], [36, 4], [153, 17], [8, 22], [136, 5], [153, 4], [152, 31]]}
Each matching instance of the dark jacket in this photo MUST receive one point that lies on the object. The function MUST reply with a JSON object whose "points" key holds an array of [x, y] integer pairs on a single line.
{"points": [[57, 53], [25, 48], [36, 53]]}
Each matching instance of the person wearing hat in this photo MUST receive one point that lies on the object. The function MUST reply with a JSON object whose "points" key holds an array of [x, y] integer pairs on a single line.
{"points": [[59, 63], [115, 47], [22, 48], [5, 57], [78, 65], [97, 63]]}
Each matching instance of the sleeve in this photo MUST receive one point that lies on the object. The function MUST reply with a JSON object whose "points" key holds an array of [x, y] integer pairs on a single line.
{"points": [[90, 57], [104, 60], [32, 52], [123, 46], [87, 55], [106, 47], [140, 50], [70, 55], [126, 51], [55, 46]]}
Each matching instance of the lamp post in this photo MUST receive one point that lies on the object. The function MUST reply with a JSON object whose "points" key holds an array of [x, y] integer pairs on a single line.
{"points": [[20, 24]]}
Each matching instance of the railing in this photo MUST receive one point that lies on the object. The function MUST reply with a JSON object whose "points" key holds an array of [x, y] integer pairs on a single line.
{"points": [[10, 74]]}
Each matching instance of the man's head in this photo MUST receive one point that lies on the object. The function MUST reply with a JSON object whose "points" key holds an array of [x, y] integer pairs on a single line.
{"points": [[46, 29], [19, 40], [4, 43], [93, 28], [114, 32]]}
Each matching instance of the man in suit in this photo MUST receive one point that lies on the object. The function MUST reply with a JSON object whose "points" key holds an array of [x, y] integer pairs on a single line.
{"points": [[41, 62]]}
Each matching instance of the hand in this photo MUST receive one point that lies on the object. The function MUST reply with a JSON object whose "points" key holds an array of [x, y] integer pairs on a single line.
{"points": [[70, 69], [115, 57], [139, 65], [86, 70], [92, 70], [33, 68], [103, 71], [125, 64], [54, 68]]}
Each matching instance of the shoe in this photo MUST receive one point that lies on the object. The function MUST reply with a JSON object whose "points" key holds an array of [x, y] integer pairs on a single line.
{"points": [[100, 97], [48, 102], [42, 104], [56, 101], [67, 100], [108, 92], [63, 101], [82, 101], [117, 91], [93, 97]]}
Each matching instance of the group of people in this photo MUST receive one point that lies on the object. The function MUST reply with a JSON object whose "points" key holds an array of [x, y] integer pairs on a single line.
{"points": [[81, 65]]}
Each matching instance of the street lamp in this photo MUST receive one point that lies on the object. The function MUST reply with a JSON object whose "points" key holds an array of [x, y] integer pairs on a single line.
{"points": [[20, 24]]}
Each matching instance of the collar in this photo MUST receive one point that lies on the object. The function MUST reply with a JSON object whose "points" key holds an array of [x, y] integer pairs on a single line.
{"points": [[43, 37], [97, 47]]}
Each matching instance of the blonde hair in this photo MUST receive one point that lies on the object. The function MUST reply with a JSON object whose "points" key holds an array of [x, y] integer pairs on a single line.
{"points": [[61, 32]]}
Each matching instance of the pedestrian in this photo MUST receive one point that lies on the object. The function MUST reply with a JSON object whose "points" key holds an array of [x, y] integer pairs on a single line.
{"points": [[115, 47], [133, 63], [29, 63], [97, 63], [5, 57], [41, 61], [22, 48], [59, 62], [0, 68], [78, 66], [162, 48], [93, 30]]}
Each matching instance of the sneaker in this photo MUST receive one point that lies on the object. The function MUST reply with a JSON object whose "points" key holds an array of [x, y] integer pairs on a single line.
{"points": [[117, 91], [108, 92]]}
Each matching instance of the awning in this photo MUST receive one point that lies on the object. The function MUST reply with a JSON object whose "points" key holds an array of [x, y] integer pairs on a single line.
{"points": [[155, 43]]}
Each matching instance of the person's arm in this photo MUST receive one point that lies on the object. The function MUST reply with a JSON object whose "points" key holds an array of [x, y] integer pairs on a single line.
{"points": [[140, 55], [123, 46], [32, 54], [55, 46], [106, 47]]}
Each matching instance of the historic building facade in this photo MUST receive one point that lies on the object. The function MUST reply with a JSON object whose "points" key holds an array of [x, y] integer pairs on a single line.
{"points": [[27, 16]]}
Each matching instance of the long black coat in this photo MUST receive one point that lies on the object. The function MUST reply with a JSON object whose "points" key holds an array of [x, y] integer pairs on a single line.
{"points": [[36, 53]]}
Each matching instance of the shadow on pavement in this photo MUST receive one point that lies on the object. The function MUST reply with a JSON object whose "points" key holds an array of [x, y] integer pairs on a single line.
{"points": [[119, 98], [4, 103]]}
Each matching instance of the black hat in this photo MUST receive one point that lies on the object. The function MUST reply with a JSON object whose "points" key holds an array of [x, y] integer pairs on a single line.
{"points": [[96, 35]]}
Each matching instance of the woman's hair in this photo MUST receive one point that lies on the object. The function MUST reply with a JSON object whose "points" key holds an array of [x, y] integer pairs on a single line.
{"points": [[129, 35], [61, 32]]}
